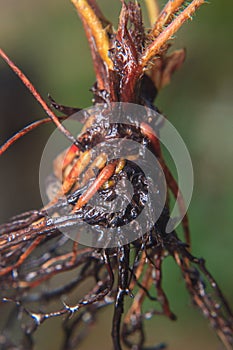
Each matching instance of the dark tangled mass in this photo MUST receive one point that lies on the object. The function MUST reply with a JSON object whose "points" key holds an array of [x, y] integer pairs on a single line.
{"points": [[35, 246], [130, 271]]}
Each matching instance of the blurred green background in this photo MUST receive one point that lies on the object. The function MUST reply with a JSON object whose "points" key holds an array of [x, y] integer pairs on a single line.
{"points": [[45, 38]]}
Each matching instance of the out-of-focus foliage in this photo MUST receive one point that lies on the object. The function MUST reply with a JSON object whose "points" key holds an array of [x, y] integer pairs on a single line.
{"points": [[47, 41]]}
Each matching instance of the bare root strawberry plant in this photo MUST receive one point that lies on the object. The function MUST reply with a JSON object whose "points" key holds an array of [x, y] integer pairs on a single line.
{"points": [[131, 66]]}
